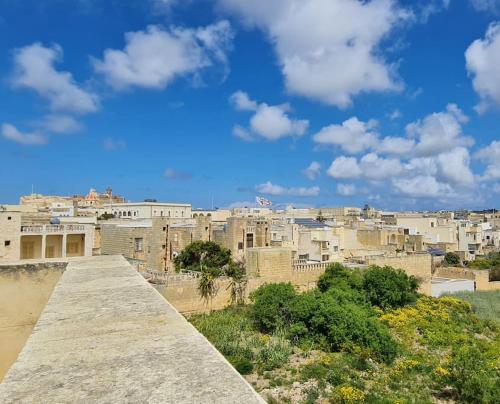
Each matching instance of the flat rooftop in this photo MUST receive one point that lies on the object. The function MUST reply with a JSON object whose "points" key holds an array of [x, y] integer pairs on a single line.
{"points": [[107, 336]]}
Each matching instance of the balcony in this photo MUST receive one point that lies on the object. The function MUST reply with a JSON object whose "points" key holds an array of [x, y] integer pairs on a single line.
{"points": [[53, 229]]}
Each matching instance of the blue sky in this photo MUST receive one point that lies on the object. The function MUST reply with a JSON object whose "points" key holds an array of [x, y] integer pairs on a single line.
{"points": [[310, 102]]}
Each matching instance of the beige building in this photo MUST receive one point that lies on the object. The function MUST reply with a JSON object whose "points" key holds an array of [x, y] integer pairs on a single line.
{"points": [[241, 233], [21, 239]]}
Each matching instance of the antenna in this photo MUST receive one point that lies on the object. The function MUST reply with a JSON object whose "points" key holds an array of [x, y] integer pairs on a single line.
{"points": [[32, 189]]}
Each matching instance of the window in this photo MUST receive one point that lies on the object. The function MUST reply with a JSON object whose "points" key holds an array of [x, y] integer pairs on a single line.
{"points": [[138, 244], [7, 243], [240, 246], [249, 240], [9, 217], [164, 229], [163, 246]]}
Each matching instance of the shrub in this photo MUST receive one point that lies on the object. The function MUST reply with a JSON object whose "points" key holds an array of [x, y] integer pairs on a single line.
{"points": [[275, 354], [270, 308], [452, 259], [242, 365], [339, 324], [472, 379], [388, 288]]}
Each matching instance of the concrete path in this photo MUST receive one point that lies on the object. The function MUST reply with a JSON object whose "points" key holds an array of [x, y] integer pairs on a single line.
{"points": [[107, 336]]}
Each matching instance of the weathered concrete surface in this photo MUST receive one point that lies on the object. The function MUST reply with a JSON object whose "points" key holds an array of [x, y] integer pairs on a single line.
{"points": [[107, 336]]}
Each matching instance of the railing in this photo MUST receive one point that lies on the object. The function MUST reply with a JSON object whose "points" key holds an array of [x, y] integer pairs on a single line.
{"points": [[320, 266], [164, 278], [52, 228], [31, 229]]}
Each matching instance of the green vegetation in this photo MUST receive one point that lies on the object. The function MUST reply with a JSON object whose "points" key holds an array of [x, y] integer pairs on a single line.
{"points": [[486, 305], [452, 259], [491, 262], [355, 339], [213, 261], [201, 254]]}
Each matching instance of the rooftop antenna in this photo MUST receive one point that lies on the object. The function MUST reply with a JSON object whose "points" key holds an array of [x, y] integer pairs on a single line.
{"points": [[212, 202], [32, 189]]}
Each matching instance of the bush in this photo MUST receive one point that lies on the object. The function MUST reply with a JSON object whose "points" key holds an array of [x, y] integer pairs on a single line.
{"points": [[270, 308], [452, 259], [339, 324], [388, 288], [242, 365], [473, 381]]}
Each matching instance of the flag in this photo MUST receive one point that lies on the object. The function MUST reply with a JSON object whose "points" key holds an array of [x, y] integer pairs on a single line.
{"points": [[263, 201]]}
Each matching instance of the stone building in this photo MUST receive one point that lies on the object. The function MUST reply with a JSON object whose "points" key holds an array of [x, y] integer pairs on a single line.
{"points": [[23, 238]]}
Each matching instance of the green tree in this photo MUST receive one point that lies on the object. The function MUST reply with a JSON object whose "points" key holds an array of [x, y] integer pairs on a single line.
{"points": [[214, 256], [389, 288], [236, 272]]}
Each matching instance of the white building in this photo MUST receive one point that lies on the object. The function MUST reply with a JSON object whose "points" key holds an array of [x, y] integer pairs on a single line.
{"points": [[148, 210]]}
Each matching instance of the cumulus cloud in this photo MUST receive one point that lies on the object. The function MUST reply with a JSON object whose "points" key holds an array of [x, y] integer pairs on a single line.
{"points": [[491, 156], [395, 145], [328, 50], [346, 189], [344, 167], [270, 122], [34, 69], [439, 131], [10, 132], [242, 102], [352, 136], [421, 187], [312, 171], [483, 61], [56, 123], [269, 188], [454, 167], [153, 58], [377, 168]]}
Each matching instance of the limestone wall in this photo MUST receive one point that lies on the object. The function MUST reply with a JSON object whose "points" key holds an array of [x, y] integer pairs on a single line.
{"points": [[24, 291], [480, 276]]}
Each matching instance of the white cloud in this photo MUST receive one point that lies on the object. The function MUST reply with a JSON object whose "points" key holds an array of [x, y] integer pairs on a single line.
{"points": [[155, 57], [421, 187], [34, 69], [353, 136], [490, 155], [344, 167], [396, 145], [327, 49], [376, 168], [483, 61], [269, 188], [454, 167], [242, 102], [438, 132], [492, 6], [55, 123], [111, 144], [312, 171], [396, 114], [346, 189], [242, 133], [10, 132], [270, 122]]}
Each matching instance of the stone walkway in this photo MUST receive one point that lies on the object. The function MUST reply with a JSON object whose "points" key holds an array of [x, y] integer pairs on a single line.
{"points": [[107, 336]]}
